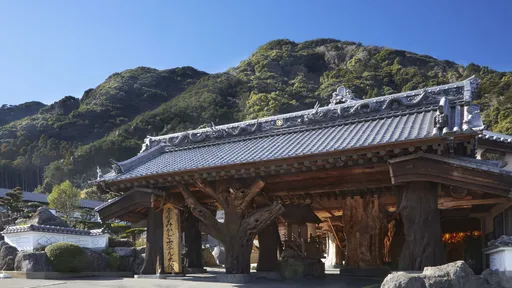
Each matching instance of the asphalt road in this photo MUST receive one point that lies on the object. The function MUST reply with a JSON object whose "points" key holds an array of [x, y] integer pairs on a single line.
{"points": [[192, 282]]}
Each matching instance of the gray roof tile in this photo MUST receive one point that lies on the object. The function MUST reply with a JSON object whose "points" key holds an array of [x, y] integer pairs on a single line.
{"points": [[381, 120], [496, 137], [52, 229]]}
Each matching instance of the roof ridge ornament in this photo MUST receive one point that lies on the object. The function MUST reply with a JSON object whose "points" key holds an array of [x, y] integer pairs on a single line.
{"points": [[343, 94]]}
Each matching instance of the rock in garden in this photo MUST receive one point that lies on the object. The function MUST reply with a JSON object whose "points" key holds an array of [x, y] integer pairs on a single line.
{"points": [[125, 251], [8, 255], [97, 261], [403, 280], [32, 262], [44, 216], [457, 273], [2, 244], [138, 260], [496, 279]]}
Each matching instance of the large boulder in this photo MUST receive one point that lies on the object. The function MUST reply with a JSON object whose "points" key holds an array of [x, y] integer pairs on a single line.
{"points": [[219, 254], [32, 262], [126, 258], [44, 216], [138, 260], [125, 251], [2, 244], [457, 273], [97, 261], [8, 255], [403, 280], [496, 279], [454, 275]]}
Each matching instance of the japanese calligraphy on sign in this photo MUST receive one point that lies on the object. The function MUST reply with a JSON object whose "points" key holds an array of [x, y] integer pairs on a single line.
{"points": [[172, 240]]}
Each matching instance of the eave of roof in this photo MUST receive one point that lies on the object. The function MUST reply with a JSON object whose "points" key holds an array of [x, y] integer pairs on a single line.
{"points": [[498, 137]]}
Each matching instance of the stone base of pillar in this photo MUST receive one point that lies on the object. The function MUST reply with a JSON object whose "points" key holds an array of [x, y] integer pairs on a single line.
{"points": [[377, 272]]}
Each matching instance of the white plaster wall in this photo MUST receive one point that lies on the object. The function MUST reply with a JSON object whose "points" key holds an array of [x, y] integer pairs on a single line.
{"points": [[30, 240]]}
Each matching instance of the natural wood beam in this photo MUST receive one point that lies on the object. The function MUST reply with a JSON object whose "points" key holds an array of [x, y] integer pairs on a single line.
{"points": [[208, 190], [212, 226], [446, 204], [253, 190], [334, 232]]}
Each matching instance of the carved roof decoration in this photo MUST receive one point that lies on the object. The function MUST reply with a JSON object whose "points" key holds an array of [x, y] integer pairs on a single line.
{"points": [[438, 111], [456, 93], [52, 229]]}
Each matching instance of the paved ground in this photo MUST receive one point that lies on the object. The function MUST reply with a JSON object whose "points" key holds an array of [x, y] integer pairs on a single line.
{"points": [[331, 280]]}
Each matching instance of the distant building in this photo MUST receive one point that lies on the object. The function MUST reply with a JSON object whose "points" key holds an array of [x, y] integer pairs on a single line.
{"points": [[43, 199]]}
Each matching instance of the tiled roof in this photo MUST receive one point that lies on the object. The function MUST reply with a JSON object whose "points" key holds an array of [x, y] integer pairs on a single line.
{"points": [[355, 124], [51, 229], [496, 137], [43, 198]]}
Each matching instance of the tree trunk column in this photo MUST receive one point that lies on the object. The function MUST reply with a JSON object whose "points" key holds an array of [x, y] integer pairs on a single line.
{"points": [[269, 241], [422, 228], [364, 230], [193, 245], [153, 261], [242, 222]]}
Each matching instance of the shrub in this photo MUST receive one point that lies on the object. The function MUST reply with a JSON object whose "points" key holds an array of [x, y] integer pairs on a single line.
{"points": [[141, 242], [67, 257], [114, 242], [113, 258]]}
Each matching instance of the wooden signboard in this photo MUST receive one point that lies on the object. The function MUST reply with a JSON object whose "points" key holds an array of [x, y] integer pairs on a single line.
{"points": [[172, 240]]}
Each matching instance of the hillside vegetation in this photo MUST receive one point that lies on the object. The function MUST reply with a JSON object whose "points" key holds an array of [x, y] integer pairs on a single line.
{"points": [[73, 136]]}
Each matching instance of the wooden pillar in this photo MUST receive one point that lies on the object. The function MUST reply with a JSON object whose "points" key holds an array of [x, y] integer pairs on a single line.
{"points": [[364, 227], [193, 238], [242, 222], [153, 261], [269, 241], [423, 245]]}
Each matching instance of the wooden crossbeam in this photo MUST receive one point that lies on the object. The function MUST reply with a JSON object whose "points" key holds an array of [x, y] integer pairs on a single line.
{"points": [[334, 232], [450, 203]]}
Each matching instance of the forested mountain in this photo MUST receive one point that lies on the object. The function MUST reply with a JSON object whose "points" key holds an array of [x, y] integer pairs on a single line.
{"points": [[10, 113], [68, 139]]}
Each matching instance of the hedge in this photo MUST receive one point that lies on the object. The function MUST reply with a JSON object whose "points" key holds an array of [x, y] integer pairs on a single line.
{"points": [[67, 257]]}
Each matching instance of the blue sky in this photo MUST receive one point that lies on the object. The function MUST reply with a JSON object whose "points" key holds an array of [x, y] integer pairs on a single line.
{"points": [[53, 48]]}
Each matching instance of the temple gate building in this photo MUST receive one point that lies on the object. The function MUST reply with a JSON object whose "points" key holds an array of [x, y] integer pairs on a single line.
{"points": [[376, 184]]}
